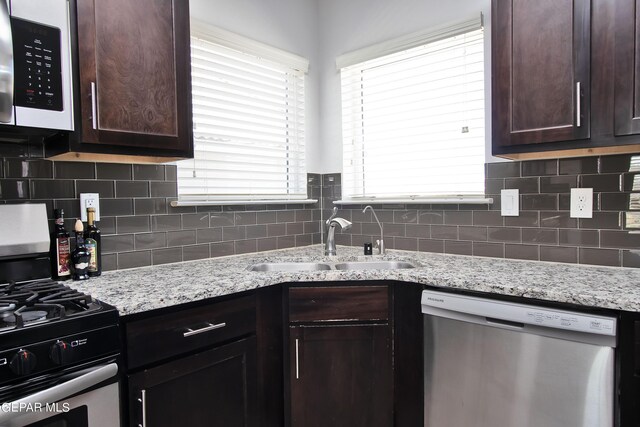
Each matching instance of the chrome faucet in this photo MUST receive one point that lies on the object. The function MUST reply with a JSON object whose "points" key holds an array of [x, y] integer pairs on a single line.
{"points": [[330, 248], [379, 243]]}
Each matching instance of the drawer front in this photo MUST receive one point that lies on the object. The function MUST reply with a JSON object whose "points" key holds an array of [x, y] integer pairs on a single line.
{"points": [[167, 335], [338, 303]]}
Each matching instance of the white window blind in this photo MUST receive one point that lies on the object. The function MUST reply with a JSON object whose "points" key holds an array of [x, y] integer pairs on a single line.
{"points": [[413, 121], [248, 117]]}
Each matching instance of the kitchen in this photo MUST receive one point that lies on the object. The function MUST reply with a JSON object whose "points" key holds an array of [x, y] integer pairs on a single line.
{"points": [[141, 227]]}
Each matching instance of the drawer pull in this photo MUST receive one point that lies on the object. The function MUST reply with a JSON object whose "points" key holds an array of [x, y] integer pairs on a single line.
{"points": [[578, 106], [143, 402], [297, 359], [210, 327], [94, 107]]}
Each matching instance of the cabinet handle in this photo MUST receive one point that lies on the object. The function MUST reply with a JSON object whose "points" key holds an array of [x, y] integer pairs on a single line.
{"points": [[297, 359], [143, 402], [578, 106], [209, 327], [94, 106]]}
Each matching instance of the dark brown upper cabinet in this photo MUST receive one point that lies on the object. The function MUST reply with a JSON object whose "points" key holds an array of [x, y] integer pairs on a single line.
{"points": [[627, 53], [133, 81], [541, 71]]}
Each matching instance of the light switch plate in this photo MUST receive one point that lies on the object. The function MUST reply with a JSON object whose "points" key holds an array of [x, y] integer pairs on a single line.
{"points": [[581, 203], [510, 202], [89, 200]]}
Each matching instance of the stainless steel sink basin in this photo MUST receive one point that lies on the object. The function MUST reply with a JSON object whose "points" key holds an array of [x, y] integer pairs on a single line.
{"points": [[289, 266], [374, 265]]}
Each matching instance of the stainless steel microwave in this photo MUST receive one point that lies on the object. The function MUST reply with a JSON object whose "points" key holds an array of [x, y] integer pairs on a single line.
{"points": [[35, 64]]}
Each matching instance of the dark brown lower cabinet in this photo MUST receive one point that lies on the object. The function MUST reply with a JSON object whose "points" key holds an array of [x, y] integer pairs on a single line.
{"points": [[341, 376], [214, 388]]}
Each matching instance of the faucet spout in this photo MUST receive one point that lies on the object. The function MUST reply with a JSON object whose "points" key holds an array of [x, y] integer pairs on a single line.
{"points": [[380, 243], [330, 248]]}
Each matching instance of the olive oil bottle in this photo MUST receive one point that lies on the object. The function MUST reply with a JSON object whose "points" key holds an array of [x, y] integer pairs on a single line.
{"points": [[93, 244]]}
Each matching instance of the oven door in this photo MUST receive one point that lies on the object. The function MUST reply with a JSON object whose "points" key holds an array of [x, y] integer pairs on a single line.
{"points": [[74, 403]]}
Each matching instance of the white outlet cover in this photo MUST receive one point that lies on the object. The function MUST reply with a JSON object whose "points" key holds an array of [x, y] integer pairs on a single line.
{"points": [[510, 202], [581, 203], [88, 200]]}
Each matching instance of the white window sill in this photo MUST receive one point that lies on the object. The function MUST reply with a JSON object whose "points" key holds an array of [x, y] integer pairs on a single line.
{"points": [[177, 203], [462, 200]]}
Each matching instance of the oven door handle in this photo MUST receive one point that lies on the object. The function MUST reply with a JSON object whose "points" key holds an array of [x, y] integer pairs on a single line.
{"points": [[61, 391]]}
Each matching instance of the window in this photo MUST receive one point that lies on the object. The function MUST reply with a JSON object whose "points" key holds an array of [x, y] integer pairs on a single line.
{"points": [[413, 119], [248, 116]]}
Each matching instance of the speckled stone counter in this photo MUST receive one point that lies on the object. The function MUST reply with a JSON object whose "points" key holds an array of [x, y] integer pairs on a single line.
{"points": [[142, 289]]}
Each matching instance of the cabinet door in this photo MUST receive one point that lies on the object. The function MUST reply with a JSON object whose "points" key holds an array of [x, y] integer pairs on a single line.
{"points": [[541, 74], [627, 68], [341, 376], [209, 389], [135, 75]]}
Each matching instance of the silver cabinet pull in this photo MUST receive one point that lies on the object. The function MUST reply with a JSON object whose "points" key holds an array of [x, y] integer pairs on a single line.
{"points": [[143, 401], [297, 359], [578, 106], [6, 65], [94, 106], [209, 327]]}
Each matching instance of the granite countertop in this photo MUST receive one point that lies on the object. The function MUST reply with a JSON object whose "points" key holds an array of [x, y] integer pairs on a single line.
{"points": [[143, 289]]}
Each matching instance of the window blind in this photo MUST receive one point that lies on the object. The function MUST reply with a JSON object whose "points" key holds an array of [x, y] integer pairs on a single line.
{"points": [[413, 121], [248, 117]]}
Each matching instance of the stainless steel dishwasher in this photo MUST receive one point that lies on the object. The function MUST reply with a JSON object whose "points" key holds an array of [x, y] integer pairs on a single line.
{"points": [[490, 363]]}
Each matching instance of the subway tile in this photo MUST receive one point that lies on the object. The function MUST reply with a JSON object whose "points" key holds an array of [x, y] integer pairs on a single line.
{"points": [[458, 247], [150, 206], [558, 184], [245, 246], [107, 224], [540, 235], [134, 259], [301, 215], [209, 235], [495, 250], [577, 166], [163, 189], [345, 239], [444, 232], [493, 186], [392, 230], [53, 189], [290, 241], [554, 219], [286, 216], [74, 170], [18, 189], [503, 169], [104, 188], [208, 208], [559, 254], [619, 201], [268, 217], [148, 172], [431, 245], [458, 217], [182, 238], [525, 185], [404, 217], [630, 182], [536, 202], [109, 262], [418, 231], [194, 252], [245, 218], [619, 239], [1, 167], [540, 167], [117, 243], [405, 243], [487, 218], [179, 209], [525, 219], [601, 183], [171, 173], [570, 237], [165, 222], [622, 163], [257, 231], [115, 207], [276, 230], [150, 240], [113, 171], [564, 202], [529, 252], [222, 219], [166, 256], [602, 220], [268, 244], [132, 224], [631, 258], [430, 217], [312, 227], [304, 240], [132, 189], [504, 234], [234, 233], [197, 220], [356, 215], [473, 207], [331, 179], [222, 249], [295, 228], [610, 257], [71, 207], [472, 233], [27, 168]]}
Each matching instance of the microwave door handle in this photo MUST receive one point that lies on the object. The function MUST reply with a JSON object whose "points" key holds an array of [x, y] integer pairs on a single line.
{"points": [[6, 65], [62, 391]]}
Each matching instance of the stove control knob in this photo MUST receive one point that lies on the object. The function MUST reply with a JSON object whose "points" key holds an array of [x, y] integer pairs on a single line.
{"points": [[60, 353], [23, 362]]}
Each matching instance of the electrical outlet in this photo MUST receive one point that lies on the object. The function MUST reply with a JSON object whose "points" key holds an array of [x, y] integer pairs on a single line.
{"points": [[89, 200], [581, 203]]}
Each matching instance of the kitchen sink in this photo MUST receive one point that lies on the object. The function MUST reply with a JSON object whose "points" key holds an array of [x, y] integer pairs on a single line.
{"points": [[374, 265], [289, 266]]}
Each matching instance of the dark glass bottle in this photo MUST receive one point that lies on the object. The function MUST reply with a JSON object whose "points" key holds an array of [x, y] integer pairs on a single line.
{"points": [[60, 249], [80, 256], [93, 244]]}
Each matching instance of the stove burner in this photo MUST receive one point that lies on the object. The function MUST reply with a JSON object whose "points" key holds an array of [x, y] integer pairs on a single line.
{"points": [[28, 316]]}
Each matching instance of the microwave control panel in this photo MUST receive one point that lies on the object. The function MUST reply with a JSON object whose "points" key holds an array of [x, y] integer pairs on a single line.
{"points": [[37, 65]]}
